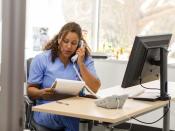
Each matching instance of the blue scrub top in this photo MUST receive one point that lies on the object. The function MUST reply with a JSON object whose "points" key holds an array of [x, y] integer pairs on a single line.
{"points": [[43, 72]]}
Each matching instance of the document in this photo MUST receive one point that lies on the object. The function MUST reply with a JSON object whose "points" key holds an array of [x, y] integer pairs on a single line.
{"points": [[69, 87]]}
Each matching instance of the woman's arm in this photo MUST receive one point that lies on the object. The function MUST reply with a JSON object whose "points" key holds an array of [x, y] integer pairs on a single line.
{"points": [[90, 80], [35, 93], [46, 94]]}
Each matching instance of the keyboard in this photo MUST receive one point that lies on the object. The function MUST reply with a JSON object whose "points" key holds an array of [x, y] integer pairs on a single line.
{"points": [[148, 96], [133, 91], [136, 92]]}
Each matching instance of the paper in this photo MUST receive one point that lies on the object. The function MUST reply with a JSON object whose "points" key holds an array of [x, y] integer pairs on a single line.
{"points": [[69, 87]]}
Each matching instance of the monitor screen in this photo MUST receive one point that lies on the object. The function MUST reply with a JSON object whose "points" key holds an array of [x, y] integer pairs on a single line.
{"points": [[145, 51]]}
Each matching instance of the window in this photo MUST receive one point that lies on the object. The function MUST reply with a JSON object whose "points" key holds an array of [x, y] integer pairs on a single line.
{"points": [[121, 20], [44, 20], [109, 26]]}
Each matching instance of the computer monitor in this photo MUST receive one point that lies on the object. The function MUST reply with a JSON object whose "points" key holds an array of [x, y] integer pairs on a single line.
{"points": [[147, 60]]}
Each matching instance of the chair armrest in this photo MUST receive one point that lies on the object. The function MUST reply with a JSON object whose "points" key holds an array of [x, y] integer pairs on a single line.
{"points": [[28, 111], [28, 101]]}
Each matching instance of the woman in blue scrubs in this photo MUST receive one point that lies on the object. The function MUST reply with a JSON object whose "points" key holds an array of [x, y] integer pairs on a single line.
{"points": [[55, 62]]}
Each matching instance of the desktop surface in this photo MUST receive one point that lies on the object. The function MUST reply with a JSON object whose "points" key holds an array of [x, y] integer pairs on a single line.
{"points": [[85, 108]]}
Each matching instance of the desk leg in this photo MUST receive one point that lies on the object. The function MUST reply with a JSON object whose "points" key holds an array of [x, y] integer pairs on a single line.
{"points": [[166, 120]]}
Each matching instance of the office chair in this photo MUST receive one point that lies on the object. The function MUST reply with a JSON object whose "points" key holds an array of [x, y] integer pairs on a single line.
{"points": [[29, 121]]}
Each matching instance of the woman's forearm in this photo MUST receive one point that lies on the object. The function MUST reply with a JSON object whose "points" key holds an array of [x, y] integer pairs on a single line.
{"points": [[45, 94], [90, 80], [34, 93]]}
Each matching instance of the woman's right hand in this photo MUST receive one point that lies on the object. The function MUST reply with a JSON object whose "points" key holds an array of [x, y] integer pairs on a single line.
{"points": [[47, 93], [50, 94]]}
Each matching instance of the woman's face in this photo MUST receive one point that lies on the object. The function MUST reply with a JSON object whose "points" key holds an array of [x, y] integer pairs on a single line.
{"points": [[69, 45]]}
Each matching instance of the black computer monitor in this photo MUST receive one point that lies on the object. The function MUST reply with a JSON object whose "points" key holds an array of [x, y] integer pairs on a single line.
{"points": [[147, 59]]}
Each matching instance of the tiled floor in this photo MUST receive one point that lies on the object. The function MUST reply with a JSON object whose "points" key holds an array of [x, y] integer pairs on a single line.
{"points": [[98, 128]]}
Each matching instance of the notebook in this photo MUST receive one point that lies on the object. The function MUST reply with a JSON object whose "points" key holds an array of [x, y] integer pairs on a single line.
{"points": [[69, 87]]}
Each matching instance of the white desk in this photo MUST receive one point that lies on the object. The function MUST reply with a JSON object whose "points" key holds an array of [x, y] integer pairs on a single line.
{"points": [[85, 108]]}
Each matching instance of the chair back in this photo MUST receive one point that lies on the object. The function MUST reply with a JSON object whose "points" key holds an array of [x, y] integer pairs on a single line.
{"points": [[29, 61], [30, 123]]}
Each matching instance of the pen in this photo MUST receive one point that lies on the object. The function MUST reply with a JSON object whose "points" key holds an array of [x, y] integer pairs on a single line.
{"points": [[59, 102]]}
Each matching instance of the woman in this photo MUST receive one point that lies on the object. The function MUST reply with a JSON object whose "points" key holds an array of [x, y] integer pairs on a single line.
{"points": [[55, 62]]}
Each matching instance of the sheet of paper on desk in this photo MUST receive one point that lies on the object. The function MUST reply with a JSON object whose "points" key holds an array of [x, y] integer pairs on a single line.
{"points": [[70, 87]]}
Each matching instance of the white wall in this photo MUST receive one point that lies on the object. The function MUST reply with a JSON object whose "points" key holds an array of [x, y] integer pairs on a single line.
{"points": [[111, 73], [171, 72]]}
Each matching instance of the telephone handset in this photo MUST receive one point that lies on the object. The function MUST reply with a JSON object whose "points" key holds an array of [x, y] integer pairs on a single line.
{"points": [[74, 58]]}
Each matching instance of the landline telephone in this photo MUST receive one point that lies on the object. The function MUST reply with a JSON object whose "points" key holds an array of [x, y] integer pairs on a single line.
{"points": [[80, 45], [74, 59]]}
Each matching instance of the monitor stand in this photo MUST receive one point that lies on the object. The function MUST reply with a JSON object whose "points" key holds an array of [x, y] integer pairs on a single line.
{"points": [[163, 75], [163, 80]]}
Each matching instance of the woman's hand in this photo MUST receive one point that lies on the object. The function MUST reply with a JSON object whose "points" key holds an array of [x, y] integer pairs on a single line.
{"points": [[47, 93], [81, 55], [50, 94]]}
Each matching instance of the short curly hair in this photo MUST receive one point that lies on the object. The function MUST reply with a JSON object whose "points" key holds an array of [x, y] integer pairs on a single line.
{"points": [[53, 43]]}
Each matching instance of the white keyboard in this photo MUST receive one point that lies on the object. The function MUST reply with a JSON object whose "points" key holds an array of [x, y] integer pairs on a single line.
{"points": [[133, 91]]}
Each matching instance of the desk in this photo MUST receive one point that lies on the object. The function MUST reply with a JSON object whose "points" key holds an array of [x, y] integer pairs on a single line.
{"points": [[85, 108]]}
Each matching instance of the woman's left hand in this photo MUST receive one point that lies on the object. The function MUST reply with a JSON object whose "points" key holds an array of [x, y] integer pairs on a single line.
{"points": [[81, 55]]}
